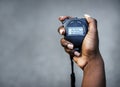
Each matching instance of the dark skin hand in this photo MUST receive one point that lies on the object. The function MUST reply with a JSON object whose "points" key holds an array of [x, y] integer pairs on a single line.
{"points": [[89, 59]]}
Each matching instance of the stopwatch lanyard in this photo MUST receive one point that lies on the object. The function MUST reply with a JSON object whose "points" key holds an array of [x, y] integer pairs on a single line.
{"points": [[72, 73], [72, 65]]}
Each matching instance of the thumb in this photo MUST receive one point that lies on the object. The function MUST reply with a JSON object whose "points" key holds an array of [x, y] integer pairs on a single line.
{"points": [[92, 23]]}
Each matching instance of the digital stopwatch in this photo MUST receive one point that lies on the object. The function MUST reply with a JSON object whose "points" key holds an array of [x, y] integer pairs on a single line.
{"points": [[76, 30]]}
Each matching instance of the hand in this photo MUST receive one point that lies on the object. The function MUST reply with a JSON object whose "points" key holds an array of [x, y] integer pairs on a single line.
{"points": [[90, 45], [89, 58]]}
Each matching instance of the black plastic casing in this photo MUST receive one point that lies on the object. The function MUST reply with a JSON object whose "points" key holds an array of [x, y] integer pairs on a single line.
{"points": [[75, 23]]}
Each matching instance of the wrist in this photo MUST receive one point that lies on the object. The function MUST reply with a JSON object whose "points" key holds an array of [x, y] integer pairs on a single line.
{"points": [[91, 60], [94, 62], [94, 73]]}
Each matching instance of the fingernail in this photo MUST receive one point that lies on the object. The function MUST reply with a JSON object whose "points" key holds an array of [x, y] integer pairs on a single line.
{"points": [[62, 31], [70, 46], [86, 15], [76, 53], [61, 16]]}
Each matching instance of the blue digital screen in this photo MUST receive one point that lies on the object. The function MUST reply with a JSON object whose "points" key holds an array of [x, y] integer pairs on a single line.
{"points": [[75, 31]]}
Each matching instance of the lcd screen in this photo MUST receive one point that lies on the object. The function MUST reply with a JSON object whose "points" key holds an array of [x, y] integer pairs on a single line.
{"points": [[75, 31]]}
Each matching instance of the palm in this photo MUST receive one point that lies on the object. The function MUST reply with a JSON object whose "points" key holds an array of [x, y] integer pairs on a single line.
{"points": [[90, 44]]}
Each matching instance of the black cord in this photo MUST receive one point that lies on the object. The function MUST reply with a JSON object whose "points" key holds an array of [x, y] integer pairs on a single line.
{"points": [[72, 73]]}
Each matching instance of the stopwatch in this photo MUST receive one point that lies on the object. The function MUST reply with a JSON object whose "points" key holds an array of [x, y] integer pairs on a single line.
{"points": [[75, 31]]}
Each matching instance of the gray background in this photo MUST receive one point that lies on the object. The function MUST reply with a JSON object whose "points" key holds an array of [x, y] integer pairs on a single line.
{"points": [[30, 52]]}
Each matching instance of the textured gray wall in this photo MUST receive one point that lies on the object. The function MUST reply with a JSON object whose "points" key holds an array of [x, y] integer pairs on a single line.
{"points": [[30, 52]]}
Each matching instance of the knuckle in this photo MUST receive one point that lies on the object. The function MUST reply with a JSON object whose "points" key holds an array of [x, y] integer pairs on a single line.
{"points": [[94, 20], [67, 50], [61, 41], [71, 52], [60, 28]]}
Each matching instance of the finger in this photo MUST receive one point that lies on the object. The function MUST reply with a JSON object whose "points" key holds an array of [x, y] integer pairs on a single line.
{"points": [[69, 51], [62, 18], [92, 23], [72, 52], [76, 53], [66, 44], [69, 47], [61, 30]]}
